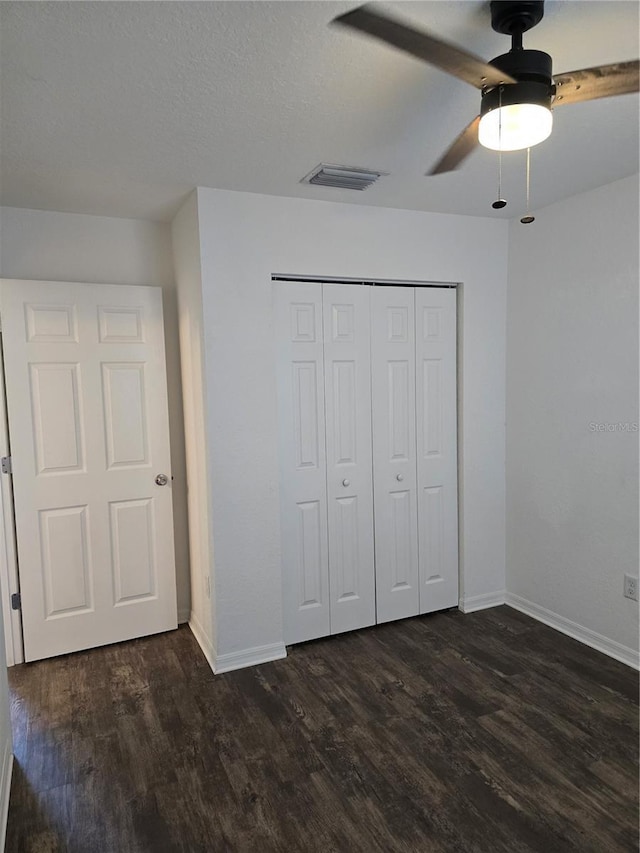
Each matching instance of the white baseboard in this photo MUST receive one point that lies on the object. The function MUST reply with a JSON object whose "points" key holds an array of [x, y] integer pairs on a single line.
{"points": [[184, 615], [470, 603], [5, 789], [203, 641], [249, 657], [233, 660], [584, 635]]}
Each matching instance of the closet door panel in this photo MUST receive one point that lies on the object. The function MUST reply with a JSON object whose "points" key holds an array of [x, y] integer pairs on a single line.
{"points": [[436, 446], [394, 451], [303, 492], [349, 461]]}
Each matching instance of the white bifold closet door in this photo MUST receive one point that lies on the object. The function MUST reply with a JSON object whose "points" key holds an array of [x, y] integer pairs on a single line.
{"points": [[368, 471], [393, 366], [347, 382], [436, 434], [326, 491]]}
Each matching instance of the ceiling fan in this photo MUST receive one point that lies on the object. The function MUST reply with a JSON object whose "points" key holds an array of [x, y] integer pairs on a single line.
{"points": [[518, 88]]}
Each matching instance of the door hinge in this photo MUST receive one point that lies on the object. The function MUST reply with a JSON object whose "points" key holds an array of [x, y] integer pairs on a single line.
{"points": [[16, 601], [5, 462]]}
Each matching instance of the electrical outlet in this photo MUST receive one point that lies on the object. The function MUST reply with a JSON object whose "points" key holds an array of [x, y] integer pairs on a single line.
{"points": [[631, 587]]}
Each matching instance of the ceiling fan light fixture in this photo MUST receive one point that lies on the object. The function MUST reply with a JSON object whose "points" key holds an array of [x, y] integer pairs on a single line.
{"points": [[515, 126], [517, 116], [521, 77]]}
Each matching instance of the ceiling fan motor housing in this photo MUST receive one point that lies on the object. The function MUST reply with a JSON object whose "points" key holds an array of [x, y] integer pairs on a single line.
{"points": [[532, 69]]}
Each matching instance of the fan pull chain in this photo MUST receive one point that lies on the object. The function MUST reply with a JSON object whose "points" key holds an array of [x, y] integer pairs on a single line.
{"points": [[500, 202], [528, 218]]}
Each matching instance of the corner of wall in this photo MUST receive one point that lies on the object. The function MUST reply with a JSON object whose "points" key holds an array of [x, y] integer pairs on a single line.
{"points": [[185, 232], [204, 640]]}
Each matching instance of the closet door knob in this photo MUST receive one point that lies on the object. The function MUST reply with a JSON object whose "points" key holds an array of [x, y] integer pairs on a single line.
{"points": [[346, 483], [399, 478]]}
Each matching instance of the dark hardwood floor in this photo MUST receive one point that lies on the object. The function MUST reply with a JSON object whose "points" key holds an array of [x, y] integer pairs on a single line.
{"points": [[478, 734]]}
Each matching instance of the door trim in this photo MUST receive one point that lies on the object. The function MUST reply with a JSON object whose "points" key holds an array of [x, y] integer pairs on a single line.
{"points": [[9, 578], [369, 282]]}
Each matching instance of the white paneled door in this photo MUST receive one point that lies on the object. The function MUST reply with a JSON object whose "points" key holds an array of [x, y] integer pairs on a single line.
{"points": [[394, 451], [347, 376], [88, 424], [303, 486], [436, 447]]}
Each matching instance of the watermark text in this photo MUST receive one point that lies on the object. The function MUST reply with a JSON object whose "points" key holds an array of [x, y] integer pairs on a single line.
{"points": [[619, 426]]}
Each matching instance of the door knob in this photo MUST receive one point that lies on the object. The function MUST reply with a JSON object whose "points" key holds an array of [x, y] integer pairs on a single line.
{"points": [[346, 483], [162, 480], [399, 478]]}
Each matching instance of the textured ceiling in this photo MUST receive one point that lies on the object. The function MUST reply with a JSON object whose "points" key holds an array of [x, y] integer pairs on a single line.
{"points": [[120, 108]]}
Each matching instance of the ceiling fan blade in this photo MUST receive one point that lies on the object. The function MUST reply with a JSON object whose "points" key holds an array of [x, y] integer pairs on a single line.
{"points": [[445, 56], [601, 81], [459, 150]]}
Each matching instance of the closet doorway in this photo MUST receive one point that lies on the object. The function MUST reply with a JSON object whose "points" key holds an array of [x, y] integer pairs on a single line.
{"points": [[368, 453]]}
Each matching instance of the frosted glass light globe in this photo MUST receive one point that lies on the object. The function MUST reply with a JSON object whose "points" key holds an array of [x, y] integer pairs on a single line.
{"points": [[523, 126]]}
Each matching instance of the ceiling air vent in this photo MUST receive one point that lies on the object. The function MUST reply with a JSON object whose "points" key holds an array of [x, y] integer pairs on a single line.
{"points": [[342, 177]]}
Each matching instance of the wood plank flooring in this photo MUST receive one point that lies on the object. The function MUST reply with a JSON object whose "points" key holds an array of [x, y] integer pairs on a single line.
{"points": [[481, 733]]}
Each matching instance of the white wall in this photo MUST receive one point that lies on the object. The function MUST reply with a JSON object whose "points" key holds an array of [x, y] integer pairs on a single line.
{"points": [[186, 252], [572, 346], [244, 239], [44, 245]]}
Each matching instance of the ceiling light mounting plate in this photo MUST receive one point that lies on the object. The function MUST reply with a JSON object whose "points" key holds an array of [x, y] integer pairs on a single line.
{"points": [[514, 17]]}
